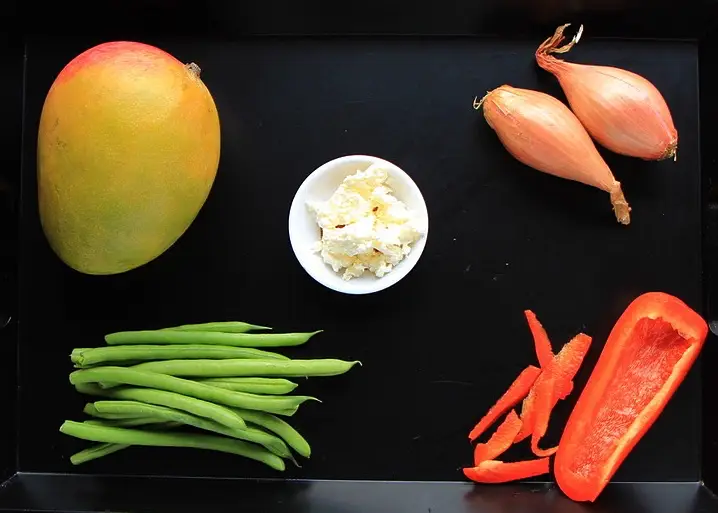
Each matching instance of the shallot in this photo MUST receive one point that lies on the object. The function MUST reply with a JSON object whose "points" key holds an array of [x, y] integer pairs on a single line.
{"points": [[541, 132], [621, 110]]}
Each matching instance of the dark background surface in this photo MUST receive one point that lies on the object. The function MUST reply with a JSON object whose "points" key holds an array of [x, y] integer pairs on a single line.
{"points": [[708, 56], [443, 344], [226, 19], [162, 495], [11, 88], [83, 23]]}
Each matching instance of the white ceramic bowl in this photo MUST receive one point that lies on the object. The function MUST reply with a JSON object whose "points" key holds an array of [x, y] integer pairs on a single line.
{"points": [[304, 231]]}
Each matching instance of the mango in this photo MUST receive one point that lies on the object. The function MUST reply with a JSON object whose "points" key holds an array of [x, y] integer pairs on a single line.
{"points": [[128, 151]]}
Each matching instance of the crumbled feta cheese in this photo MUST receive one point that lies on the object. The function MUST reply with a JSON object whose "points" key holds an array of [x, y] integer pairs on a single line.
{"points": [[364, 226]]}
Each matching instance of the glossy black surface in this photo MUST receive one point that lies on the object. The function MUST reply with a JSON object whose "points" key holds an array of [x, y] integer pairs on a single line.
{"points": [[222, 19], [443, 344], [709, 164], [53, 493], [426, 387], [11, 89]]}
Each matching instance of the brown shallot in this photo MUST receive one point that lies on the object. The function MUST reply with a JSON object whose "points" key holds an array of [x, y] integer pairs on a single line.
{"points": [[621, 110], [541, 132]]}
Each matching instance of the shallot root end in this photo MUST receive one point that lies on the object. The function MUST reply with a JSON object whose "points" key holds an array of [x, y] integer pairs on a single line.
{"points": [[620, 205], [671, 152]]}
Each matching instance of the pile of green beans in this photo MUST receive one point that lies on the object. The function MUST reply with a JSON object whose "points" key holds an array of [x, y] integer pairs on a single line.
{"points": [[211, 386]]}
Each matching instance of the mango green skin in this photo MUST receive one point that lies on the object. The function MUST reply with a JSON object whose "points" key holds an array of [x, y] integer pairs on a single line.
{"points": [[128, 150]]}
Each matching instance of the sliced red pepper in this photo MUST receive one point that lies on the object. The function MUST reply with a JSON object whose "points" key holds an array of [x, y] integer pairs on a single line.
{"points": [[545, 400], [568, 361], [648, 353], [517, 391], [544, 352], [528, 412], [494, 471], [565, 390], [562, 370], [500, 441]]}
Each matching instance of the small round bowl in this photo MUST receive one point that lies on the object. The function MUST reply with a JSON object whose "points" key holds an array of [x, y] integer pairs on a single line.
{"points": [[304, 231]]}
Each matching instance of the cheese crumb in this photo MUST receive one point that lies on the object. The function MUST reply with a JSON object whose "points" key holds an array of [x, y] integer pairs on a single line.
{"points": [[364, 227]]}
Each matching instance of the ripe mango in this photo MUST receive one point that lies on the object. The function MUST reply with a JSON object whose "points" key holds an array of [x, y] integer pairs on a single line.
{"points": [[128, 150]]}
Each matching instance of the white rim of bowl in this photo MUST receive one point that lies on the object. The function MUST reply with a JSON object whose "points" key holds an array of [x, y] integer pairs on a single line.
{"points": [[387, 280]]}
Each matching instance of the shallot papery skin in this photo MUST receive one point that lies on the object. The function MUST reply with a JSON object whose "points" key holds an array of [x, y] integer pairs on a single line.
{"points": [[543, 133], [621, 110]]}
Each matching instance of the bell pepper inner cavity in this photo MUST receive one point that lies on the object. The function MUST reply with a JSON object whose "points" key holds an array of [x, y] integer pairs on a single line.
{"points": [[646, 364]]}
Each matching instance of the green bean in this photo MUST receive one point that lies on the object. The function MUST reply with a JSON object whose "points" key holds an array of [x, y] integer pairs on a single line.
{"points": [[224, 327], [90, 409], [279, 427], [91, 389], [83, 357], [94, 452], [127, 422], [233, 368], [271, 442], [271, 386], [100, 450], [151, 423], [211, 338], [219, 414], [152, 438], [138, 377]]}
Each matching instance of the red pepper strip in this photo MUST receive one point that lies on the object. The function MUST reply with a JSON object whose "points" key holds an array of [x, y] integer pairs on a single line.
{"points": [[544, 403], [563, 368], [648, 353], [500, 441], [528, 412], [568, 361], [494, 471], [544, 352], [563, 394], [517, 391]]}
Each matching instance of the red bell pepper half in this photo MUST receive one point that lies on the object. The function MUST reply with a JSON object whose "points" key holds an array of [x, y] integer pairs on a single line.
{"points": [[492, 471], [500, 441], [516, 392], [648, 353]]}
